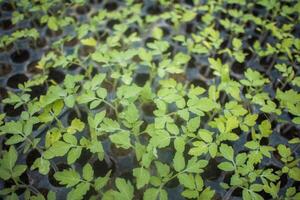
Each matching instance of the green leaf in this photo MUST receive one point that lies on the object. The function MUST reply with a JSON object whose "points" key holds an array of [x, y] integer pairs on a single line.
{"points": [[235, 108], [296, 120], [178, 162], [52, 23], [160, 122], [88, 172], [9, 158], [76, 126], [231, 123], [51, 195], [284, 151], [42, 164], [294, 141], [89, 42], [125, 189], [190, 194], [59, 148], [4, 174], [109, 125], [294, 173], [131, 114], [241, 159], [195, 166], [151, 194], [184, 114], [12, 127], [87, 97], [256, 187], [158, 46], [161, 139], [157, 33], [187, 180], [70, 101], [199, 182], [213, 149], [198, 149], [100, 182], [246, 195], [68, 177], [250, 120], [73, 155], [71, 139], [226, 166], [254, 78], [172, 128], [96, 147], [95, 103], [188, 16], [15, 139], [181, 58], [237, 43], [99, 57], [205, 135], [265, 128], [142, 177], [18, 170], [179, 144], [227, 151], [99, 117], [205, 104], [79, 192], [144, 55], [193, 124], [121, 139], [162, 169], [206, 194], [252, 145]]}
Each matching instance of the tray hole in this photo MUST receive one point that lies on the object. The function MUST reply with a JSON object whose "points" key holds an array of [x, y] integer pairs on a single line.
{"points": [[11, 111], [154, 10], [20, 56], [7, 7], [31, 67], [81, 10], [238, 68], [56, 75], [44, 191], [37, 91], [5, 69], [39, 43], [110, 24], [119, 152], [16, 79], [101, 167], [149, 108], [3, 93], [6, 24], [199, 83], [51, 33], [86, 50], [141, 79], [32, 156], [111, 6], [72, 42]]}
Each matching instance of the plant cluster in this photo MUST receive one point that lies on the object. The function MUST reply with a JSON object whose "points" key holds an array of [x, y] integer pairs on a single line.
{"points": [[150, 99]]}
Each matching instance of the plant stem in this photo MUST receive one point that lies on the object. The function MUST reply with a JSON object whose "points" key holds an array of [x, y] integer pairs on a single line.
{"points": [[228, 193], [77, 110]]}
